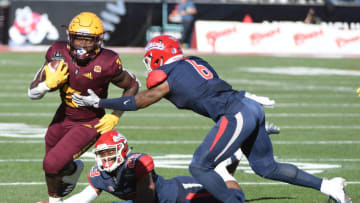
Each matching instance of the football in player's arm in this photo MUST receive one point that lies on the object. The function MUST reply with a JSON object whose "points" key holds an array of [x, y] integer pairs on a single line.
{"points": [[83, 64], [132, 176], [192, 83]]}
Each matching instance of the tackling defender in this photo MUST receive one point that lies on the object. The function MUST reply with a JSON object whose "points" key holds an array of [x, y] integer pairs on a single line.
{"points": [[84, 64], [131, 176], [191, 83]]}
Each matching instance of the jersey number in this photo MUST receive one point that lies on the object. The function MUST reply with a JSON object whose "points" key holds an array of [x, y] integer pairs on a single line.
{"points": [[94, 172], [202, 70]]}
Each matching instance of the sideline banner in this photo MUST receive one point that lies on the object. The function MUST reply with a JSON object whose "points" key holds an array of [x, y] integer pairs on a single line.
{"points": [[275, 38]]}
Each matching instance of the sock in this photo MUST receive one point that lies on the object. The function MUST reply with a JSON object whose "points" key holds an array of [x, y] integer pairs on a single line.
{"points": [[55, 200]]}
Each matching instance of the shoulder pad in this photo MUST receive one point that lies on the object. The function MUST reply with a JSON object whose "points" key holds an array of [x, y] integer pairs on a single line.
{"points": [[144, 165], [155, 77]]}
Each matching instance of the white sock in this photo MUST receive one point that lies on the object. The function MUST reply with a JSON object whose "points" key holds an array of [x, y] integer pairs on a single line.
{"points": [[323, 186], [55, 200], [223, 172]]}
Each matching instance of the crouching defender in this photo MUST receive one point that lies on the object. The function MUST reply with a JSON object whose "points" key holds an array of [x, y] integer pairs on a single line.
{"points": [[131, 176]]}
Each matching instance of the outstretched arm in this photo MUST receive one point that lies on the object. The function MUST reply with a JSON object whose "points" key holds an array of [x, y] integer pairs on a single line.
{"points": [[125, 103], [88, 195], [145, 189]]}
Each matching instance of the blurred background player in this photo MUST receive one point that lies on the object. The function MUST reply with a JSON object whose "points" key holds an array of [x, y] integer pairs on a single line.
{"points": [[86, 64], [186, 10], [131, 176], [191, 83]]}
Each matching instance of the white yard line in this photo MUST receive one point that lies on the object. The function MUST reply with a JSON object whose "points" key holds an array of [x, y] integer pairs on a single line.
{"points": [[175, 115], [185, 157], [240, 183], [172, 142]]}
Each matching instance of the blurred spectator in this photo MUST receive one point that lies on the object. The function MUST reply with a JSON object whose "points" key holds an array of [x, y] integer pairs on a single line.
{"points": [[312, 18], [174, 16], [187, 10]]}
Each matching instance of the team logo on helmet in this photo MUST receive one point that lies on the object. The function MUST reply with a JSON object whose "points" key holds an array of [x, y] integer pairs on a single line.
{"points": [[118, 138], [154, 45]]}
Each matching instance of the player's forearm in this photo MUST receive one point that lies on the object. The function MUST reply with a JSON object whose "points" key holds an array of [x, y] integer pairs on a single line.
{"points": [[88, 195], [133, 88]]}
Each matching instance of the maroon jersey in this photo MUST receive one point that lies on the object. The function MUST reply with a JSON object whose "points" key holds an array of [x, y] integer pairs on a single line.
{"points": [[96, 75]]}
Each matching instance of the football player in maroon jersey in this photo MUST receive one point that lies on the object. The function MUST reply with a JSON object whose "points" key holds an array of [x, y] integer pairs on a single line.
{"points": [[84, 64]]}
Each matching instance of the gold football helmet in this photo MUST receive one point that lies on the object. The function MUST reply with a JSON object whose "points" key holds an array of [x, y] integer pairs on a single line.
{"points": [[88, 27]]}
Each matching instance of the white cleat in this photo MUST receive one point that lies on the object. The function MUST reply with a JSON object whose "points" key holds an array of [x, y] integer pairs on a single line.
{"points": [[335, 189], [271, 128]]}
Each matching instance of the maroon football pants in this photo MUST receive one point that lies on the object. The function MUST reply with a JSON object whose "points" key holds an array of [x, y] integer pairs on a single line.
{"points": [[65, 141]]}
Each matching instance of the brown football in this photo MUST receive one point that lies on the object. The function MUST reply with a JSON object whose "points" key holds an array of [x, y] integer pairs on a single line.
{"points": [[53, 66], [40, 76]]}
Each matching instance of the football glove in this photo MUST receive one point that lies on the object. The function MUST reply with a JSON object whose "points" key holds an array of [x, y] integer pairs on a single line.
{"points": [[264, 101], [107, 123], [91, 100], [54, 79], [358, 91]]}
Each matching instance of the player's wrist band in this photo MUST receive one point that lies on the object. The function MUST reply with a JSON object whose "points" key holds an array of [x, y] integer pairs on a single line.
{"points": [[125, 103], [42, 87]]}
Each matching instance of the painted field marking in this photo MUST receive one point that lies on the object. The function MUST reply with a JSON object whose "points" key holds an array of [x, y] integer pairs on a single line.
{"points": [[186, 142], [182, 161], [22, 130], [240, 183], [192, 115]]}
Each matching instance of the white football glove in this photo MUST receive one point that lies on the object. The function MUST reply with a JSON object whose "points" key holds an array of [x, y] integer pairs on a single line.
{"points": [[264, 101], [91, 100]]}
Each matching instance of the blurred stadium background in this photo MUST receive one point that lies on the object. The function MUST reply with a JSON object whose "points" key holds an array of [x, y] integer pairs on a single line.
{"points": [[310, 70]]}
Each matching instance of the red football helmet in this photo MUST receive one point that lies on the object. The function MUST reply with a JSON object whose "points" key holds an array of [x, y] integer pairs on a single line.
{"points": [[111, 150], [161, 50]]}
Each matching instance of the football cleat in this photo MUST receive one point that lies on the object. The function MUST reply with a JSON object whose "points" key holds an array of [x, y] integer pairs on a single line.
{"points": [[68, 183], [335, 189], [271, 128]]}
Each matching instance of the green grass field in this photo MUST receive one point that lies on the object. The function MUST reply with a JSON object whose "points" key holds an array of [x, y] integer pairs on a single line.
{"points": [[317, 109]]}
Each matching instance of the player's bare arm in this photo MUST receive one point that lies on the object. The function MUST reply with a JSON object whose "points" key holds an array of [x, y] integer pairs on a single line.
{"points": [[151, 96], [145, 189], [128, 82], [87, 195]]}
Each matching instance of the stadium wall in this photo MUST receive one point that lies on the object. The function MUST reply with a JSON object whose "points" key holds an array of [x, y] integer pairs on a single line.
{"points": [[128, 21]]}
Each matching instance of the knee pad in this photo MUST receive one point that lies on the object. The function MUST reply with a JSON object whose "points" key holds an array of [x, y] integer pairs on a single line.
{"points": [[195, 170], [263, 168]]}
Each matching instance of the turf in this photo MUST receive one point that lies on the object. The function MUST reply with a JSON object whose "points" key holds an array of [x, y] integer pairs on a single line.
{"points": [[318, 114]]}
